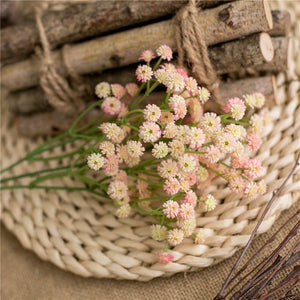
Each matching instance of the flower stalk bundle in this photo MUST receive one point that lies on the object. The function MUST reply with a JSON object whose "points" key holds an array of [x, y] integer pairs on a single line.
{"points": [[263, 278], [159, 159]]}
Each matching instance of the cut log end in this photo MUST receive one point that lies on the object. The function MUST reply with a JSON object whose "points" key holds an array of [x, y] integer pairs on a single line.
{"points": [[274, 88], [266, 46], [268, 13]]}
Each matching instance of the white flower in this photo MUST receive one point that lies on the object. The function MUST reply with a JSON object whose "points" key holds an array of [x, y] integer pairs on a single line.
{"points": [[159, 232], [95, 161], [102, 89], [210, 203], [117, 190], [152, 113], [187, 163], [149, 132], [175, 236], [204, 94], [135, 149], [160, 150], [123, 211]]}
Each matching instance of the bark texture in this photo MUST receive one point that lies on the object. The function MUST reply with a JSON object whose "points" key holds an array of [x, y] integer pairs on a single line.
{"points": [[81, 21], [281, 23], [225, 58], [265, 85], [220, 24], [282, 56]]}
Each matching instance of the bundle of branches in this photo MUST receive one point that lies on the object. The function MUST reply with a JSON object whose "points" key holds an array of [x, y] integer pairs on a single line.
{"points": [[241, 35], [276, 276]]}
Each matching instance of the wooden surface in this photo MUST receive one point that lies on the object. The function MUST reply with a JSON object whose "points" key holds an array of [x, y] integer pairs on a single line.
{"points": [[220, 24]]}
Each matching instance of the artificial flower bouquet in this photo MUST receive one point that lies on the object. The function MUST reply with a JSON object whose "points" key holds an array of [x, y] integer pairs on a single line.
{"points": [[159, 158]]}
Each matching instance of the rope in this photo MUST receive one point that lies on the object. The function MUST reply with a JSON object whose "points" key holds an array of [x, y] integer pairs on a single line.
{"points": [[192, 50], [60, 94]]}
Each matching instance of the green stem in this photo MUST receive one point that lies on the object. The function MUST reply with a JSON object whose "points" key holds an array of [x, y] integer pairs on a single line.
{"points": [[132, 127], [35, 173], [12, 187], [148, 181], [226, 121], [71, 130], [49, 176], [195, 152], [147, 93], [136, 95]]}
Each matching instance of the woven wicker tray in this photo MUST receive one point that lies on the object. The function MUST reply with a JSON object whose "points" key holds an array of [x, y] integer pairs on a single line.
{"points": [[77, 233]]}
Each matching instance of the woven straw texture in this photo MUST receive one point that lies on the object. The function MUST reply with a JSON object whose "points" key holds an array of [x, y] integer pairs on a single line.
{"points": [[77, 233]]}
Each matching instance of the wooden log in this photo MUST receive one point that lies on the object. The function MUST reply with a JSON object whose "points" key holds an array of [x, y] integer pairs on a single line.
{"points": [[250, 51], [55, 122], [265, 85], [81, 21], [281, 23], [225, 58], [220, 24], [282, 56]]}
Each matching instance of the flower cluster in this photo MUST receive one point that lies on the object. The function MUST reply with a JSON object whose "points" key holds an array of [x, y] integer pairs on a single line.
{"points": [[159, 158]]}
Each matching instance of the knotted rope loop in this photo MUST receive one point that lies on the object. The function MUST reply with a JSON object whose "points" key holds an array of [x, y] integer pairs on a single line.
{"points": [[192, 49], [60, 94]]}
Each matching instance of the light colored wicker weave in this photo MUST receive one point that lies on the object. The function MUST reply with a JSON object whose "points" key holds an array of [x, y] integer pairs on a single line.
{"points": [[77, 233]]}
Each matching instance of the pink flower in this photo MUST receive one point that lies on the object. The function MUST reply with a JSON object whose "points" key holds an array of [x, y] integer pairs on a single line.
{"points": [[237, 108], [182, 72], [147, 55], [191, 198], [237, 184], [253, 169], [171, 209], [111, 106], [171, 186], [195, 137], [186, 211], [213, 154], [165, 258], [143, 73], [254, 141], [165, 52], [117, 190], [131, 88], [118, 90], [111, 165], [121, 176], [195, 110], [191, 178], [239, 161], [149, 132], [177, 103]]}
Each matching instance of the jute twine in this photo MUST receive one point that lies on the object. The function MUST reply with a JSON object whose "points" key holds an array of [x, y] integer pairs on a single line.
{"points": [[192, 50], [60, 94], [77, 233]]}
